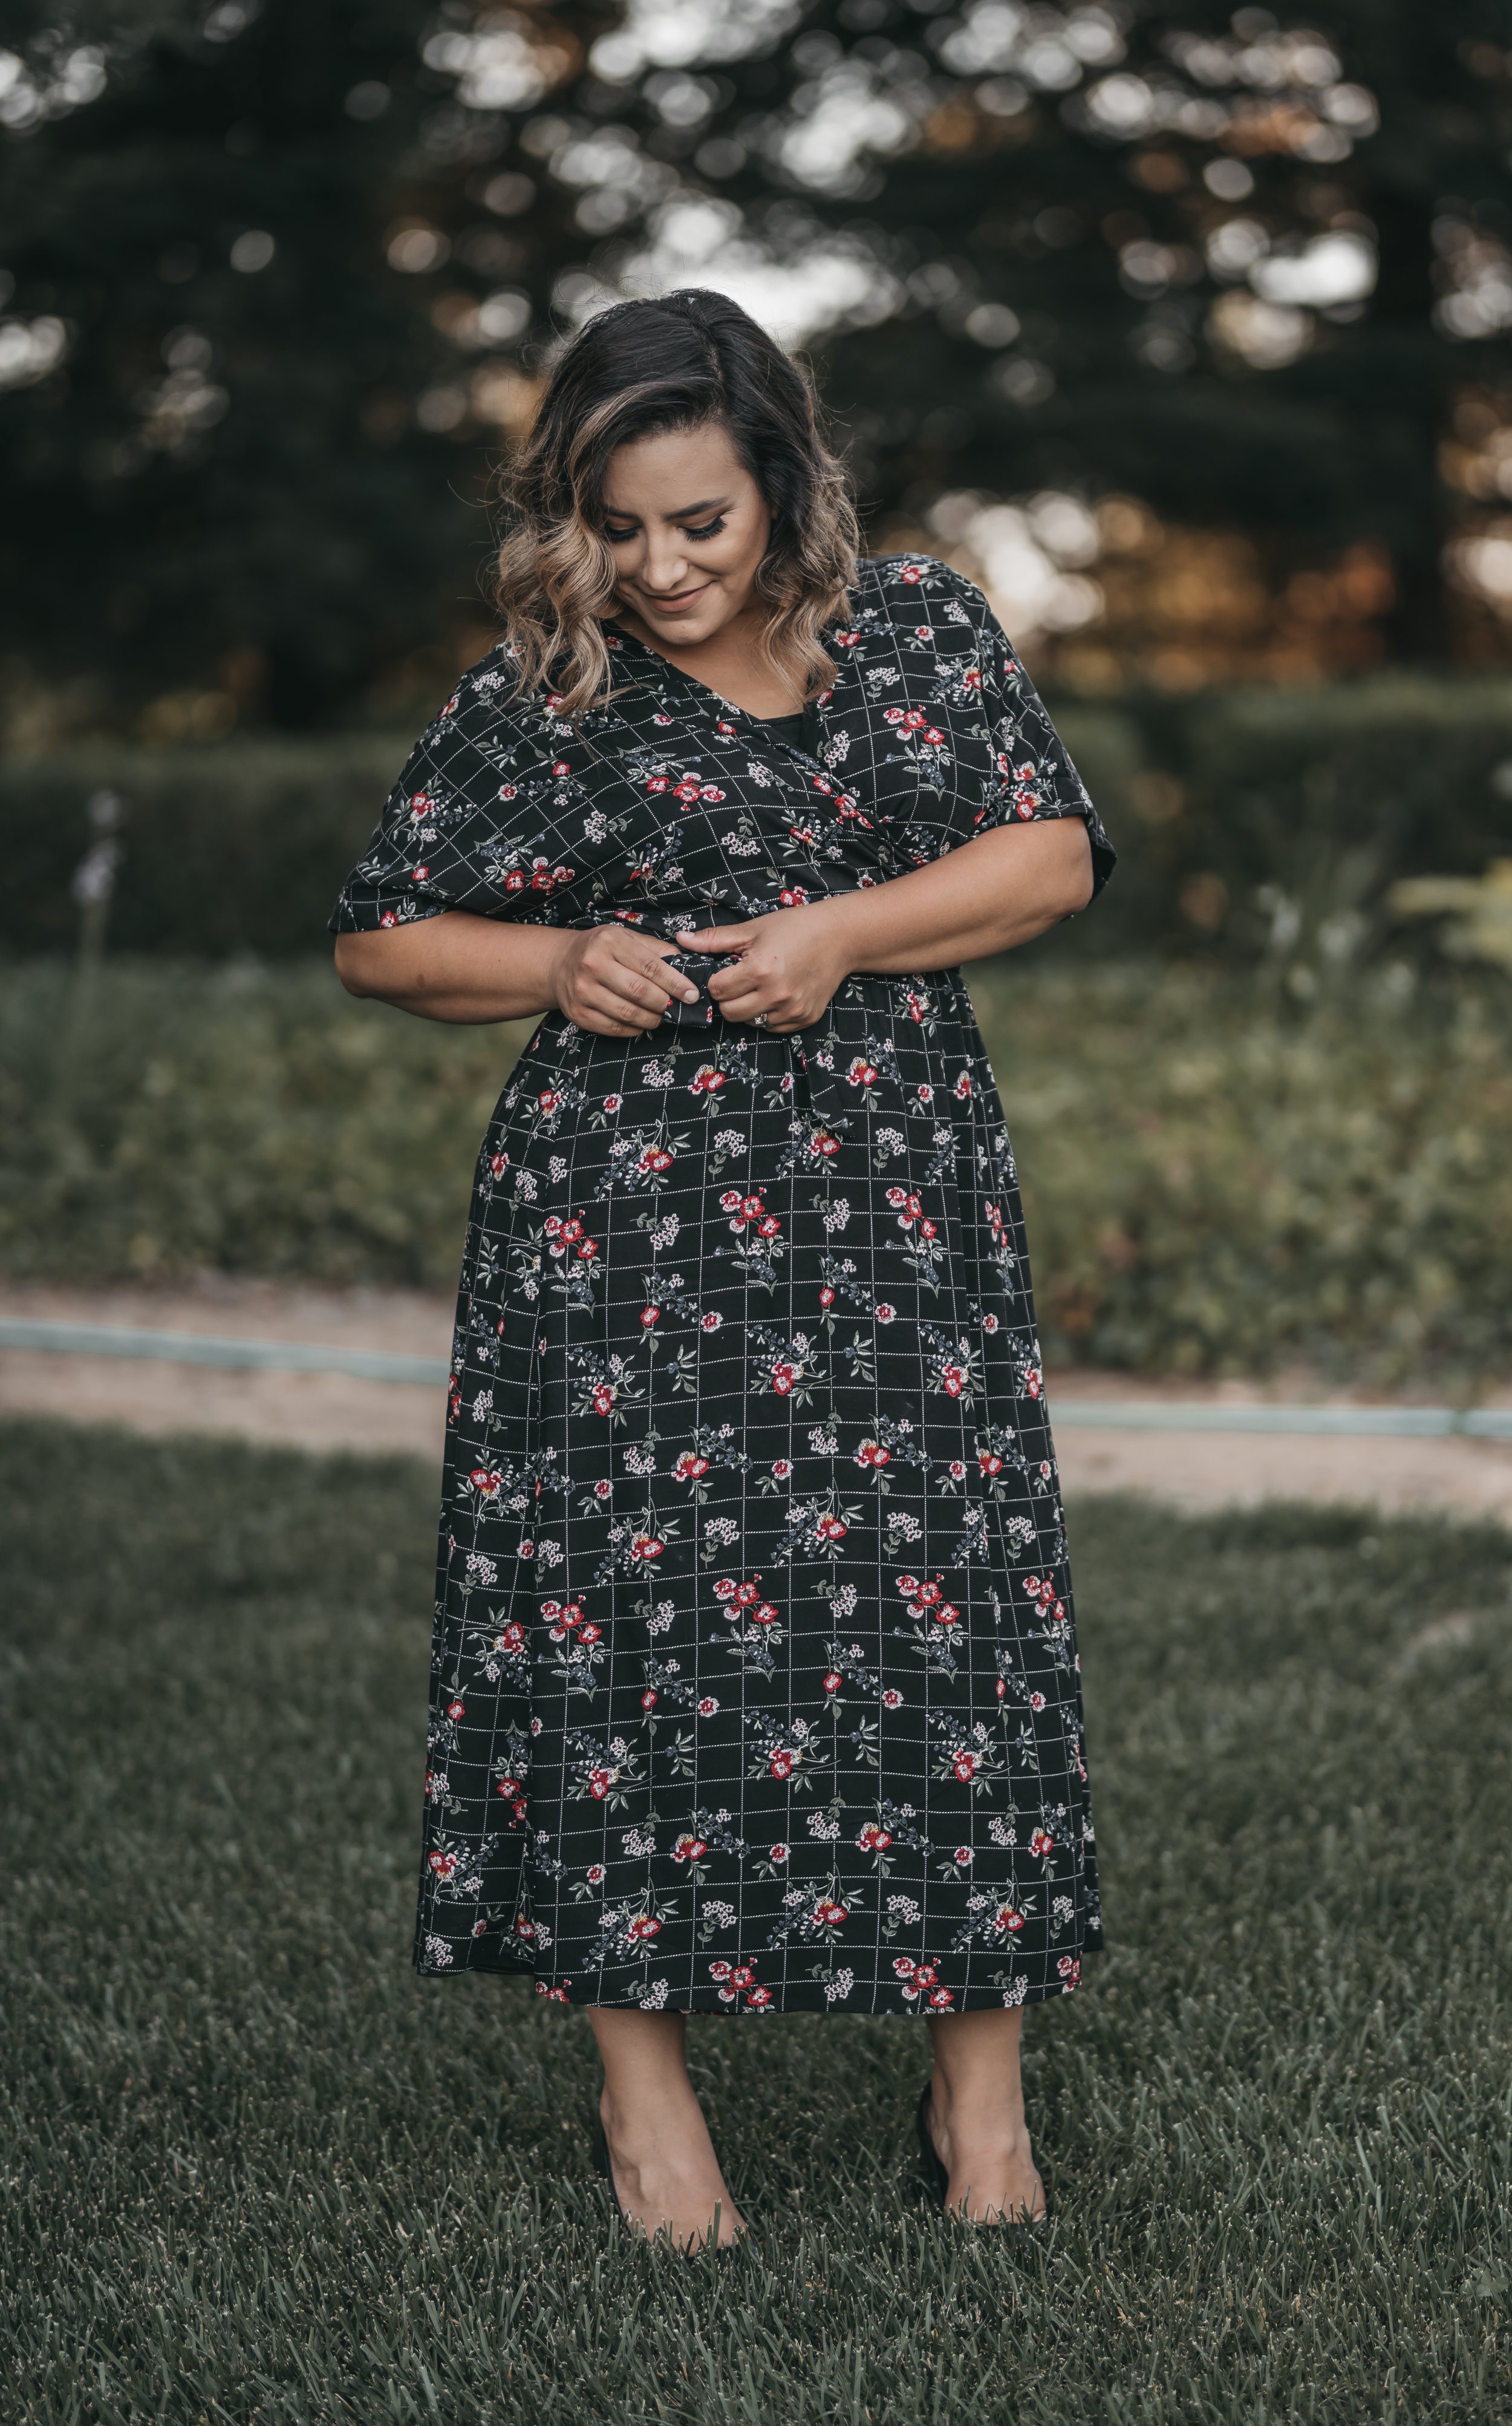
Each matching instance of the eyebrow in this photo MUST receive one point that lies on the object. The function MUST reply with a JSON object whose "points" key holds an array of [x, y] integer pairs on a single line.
{"points": [[686, 514]]}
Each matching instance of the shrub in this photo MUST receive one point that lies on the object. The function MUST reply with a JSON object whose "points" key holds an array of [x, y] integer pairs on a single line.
{"points": [[1248, 821], [1215, 1177]]}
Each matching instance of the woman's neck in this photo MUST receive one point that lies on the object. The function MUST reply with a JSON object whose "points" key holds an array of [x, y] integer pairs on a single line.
{"points": [[730, 662]]}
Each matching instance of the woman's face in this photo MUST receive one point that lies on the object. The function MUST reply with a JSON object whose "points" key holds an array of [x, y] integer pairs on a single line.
{"points": [[687, 528]]}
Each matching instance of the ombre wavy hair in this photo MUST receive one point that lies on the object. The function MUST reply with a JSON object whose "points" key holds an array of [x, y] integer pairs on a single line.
{"points": [[678, 363]]}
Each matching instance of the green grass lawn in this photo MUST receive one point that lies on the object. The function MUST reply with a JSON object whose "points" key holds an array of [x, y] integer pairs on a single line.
{"points": [[252, 2170]]}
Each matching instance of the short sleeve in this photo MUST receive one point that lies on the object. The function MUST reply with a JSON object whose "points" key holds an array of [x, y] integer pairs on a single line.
{"points": [[500, 809], [1034, 777]]}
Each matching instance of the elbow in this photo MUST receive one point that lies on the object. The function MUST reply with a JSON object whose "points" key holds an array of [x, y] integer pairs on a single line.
{"points": [[349, 957], [1081, 878]]}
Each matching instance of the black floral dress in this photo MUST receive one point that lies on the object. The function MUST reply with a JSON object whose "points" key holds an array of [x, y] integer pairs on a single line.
{"points": [[755, 1677]]}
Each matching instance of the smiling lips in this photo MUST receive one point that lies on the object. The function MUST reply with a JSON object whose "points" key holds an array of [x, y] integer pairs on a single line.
{"points": [[679, 604]]}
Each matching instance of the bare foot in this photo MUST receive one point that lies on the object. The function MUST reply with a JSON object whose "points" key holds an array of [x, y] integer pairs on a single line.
{"points": [[666, 2174], [994, 2178]]}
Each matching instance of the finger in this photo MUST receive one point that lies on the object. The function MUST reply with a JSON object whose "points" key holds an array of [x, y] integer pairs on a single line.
{"points": [[648, 961], [713, 941]]}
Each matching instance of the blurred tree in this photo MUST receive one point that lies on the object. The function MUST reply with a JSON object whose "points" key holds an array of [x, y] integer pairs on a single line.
{"points": [[281, 271]]}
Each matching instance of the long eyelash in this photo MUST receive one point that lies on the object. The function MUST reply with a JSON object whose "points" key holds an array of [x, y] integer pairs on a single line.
{"points": [[710, 530]]}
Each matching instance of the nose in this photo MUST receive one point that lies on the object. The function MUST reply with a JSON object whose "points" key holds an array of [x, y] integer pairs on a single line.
{"points": [[666, 568]]}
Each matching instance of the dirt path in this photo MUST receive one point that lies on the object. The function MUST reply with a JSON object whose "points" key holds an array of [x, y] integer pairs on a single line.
{"points": [[332, 1411]]}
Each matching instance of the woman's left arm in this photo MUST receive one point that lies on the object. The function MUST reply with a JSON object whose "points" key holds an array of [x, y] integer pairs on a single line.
{"points": [[1001, 889]]}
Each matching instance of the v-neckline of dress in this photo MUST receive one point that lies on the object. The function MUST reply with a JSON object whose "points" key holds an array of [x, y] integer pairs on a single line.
{"points": [[713, 702]]}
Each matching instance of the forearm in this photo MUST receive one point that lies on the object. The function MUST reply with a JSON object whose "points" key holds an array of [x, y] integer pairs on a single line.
{"points": [[456, 967], [1000, 890]]}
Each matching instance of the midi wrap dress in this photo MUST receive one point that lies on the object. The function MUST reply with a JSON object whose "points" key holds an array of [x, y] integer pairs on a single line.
{"points": [[755, 1684]]}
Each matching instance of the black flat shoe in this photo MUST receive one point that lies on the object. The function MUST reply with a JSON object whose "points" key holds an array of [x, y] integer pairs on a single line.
{"points": [[939, 2176]]}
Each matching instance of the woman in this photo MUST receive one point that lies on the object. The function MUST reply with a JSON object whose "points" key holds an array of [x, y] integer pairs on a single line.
{"points": [[755, 1686]]}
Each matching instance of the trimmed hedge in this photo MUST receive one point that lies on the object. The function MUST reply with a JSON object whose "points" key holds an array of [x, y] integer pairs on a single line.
{"points": [[1319, 799], [1215, 1178]]}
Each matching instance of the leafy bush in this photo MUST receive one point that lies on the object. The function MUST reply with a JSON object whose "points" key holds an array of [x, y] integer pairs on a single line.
{"points": [[1216, 1176], [1248, 822]]}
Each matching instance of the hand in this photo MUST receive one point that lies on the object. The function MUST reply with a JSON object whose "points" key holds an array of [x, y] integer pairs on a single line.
{"points": [[614, 982], [786, 966]]}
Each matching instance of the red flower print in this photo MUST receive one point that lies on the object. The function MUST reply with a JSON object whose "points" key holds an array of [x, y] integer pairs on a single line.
{"points": [[485, 1479], [964, 1857], [780, 1763], [952, 1378], [603, 1490], [646, 1546], [765, 1613], [689, 1467], [758, 1999], [457, 1709], [420, 804], [524, 1927], [603, 1399], [893, 716], [687, 790], [612, 1102], [418, 875], [845, 639], [725, 1588], [649, 1314], [904, 1965], [908, 1586], [923, 632], [871, 1453], [914, 718], [874, 1839], [444, 1864], [972, 678], [1037, 1700], [828, 1914], [597, 1874], [746, 1594], [644, 1925], [1041, 1841], [647, 1699], [941, 1999], [784, 1376], [989, 1462], [827, 1297], [962, 1086], [911, 572], [934, 736], [957, 1471], [793, 897], [823, 1144], [498, 1164], [778, 1854], [655, 782], [926, 1975], [586, 1252], [657, 1159], [966, 1765], [549, 1100], [560, 767], [689, 1848], [887, 1314], [514, 881], [710, 1322], [829, 1529], [781, 1467], [706, 1081], [1069, 1968], [718, 1970], [1008, 1920], [707, 1706], [743, 1974], [833, 1682], [862, 1072], [388, 919], [891, 1698]]}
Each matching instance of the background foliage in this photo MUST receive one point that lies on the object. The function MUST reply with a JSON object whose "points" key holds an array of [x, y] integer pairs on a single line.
{"points": [[277, 280], [1216, 1177]]}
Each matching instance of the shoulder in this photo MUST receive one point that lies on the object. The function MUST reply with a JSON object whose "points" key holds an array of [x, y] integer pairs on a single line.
{"points": [[893, 586]]}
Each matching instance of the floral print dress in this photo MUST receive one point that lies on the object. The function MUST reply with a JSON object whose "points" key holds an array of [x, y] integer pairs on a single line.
{"points": [[755, 1681]]}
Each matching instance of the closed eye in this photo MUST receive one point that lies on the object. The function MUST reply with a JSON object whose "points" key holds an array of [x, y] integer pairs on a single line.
{"points": [[710, 530]]}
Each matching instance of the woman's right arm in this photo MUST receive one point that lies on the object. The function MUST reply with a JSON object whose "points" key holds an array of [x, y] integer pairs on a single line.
{"points": [[471, 971]]}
